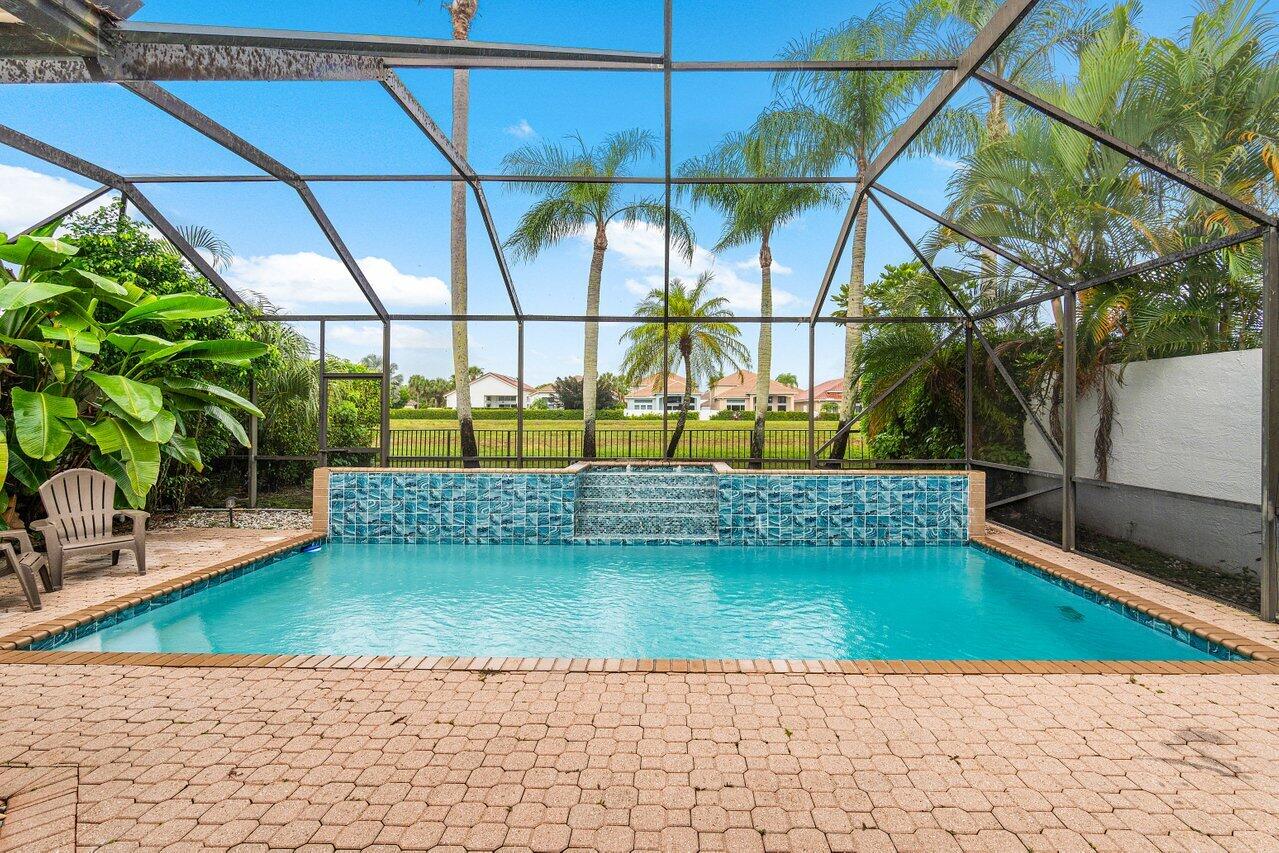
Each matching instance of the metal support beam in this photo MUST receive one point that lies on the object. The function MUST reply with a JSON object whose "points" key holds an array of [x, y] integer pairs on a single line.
{"points": [[64, 160], [207, 127], [1114, 143], [66, 211], [812, 395], [253, 446], [409, 103], [399, 51], [322, 432], [1270, 431], [1005, 19], [990, 351], [499, 178], [668, 32], [1174, 258], [968, 395], [519, 394], [1069, 392], [384, 399], [967, 234]]}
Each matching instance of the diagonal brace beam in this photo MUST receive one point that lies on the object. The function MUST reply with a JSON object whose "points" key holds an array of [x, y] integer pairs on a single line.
{"points": [[988, 39], [92, 171], [413, 108], [69, 209], [1114, 143], [968, 234], [990, 351], [202, 124]]}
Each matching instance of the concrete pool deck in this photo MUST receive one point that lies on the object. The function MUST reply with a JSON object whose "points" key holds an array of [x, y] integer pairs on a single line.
{"points": [[151, 757]]}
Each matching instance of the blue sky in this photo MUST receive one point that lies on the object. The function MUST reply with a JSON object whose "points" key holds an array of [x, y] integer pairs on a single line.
{"points": [[400, 231]]}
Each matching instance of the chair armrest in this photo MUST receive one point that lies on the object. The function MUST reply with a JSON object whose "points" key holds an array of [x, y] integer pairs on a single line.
{"points": [[21, 537], [8, 556], [138, 517]]}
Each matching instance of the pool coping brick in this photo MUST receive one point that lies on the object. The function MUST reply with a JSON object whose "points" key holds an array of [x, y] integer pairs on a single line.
{"points": [[1263, 659]]}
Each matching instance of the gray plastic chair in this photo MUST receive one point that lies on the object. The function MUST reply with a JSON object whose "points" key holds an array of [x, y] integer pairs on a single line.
{"points": [[80, 504], [22, 559]]}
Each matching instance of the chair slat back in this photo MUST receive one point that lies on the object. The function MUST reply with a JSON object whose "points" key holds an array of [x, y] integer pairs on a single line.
{"points": [[81, 503]]}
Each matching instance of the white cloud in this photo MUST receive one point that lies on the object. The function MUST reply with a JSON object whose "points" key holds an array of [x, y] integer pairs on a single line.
{"points": [[752, 265], [522, 129], [640, 247], [945, 163], [637, 287], [308, 280], [27, 196], [403, 336]]}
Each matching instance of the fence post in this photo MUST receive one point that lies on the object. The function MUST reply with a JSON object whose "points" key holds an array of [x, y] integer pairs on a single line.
{"points": [[968, 395], [253, 447], [384, 399]]}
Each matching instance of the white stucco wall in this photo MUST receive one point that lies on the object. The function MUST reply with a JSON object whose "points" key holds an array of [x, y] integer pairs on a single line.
{"points": [[1189, 424], [483, 387]]}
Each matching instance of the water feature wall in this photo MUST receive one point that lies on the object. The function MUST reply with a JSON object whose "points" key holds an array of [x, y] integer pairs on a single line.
{"points": [[648, 504], [642, 505]]}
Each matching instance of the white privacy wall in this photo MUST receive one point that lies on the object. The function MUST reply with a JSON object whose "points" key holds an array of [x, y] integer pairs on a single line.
{"points": [[1189, 424]]}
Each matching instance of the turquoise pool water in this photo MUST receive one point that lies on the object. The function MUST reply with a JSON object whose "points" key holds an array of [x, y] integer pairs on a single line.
{"points": [[921, 602]]}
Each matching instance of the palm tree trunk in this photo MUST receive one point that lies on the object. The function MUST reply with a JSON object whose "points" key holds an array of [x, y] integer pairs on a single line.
{"points": [[462, 12], [764, 359], [591, 348], [686, 350], [852, 331]]}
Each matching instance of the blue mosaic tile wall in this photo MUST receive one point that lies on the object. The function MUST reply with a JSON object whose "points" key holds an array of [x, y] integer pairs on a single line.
{"points": [[451, 507], [752, 509], [842, 510]]}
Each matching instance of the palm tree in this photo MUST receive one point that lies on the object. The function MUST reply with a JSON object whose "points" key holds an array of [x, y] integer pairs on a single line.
{"points": [[462, 12], [568, 209], [754, 213], [834, 118], [1049, 194], [705, 344], [1025, 58]]}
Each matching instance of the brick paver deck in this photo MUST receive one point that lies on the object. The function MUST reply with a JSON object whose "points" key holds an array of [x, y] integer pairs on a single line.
{"points": [[254, 758]]}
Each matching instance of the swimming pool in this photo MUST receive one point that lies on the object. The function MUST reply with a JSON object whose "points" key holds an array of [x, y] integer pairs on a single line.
{"points": [[885, 602]]}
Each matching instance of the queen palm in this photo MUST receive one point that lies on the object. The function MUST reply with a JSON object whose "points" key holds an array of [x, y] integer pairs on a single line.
{"points": [[706, 343], [461, 14], [834, 118], [753, 213], [1078, 210], [1025, 58], [568, 209]]}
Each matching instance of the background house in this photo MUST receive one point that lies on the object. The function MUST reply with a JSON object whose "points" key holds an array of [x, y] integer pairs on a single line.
{"points": [[645, 397], [493, 391], [736, 393], [829, 392]]}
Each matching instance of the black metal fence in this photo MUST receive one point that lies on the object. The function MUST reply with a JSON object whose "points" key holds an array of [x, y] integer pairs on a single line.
{"points": [[562, 446]]}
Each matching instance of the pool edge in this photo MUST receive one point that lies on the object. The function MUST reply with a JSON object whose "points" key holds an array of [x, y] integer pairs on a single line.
{"points": [[1262, 659]]}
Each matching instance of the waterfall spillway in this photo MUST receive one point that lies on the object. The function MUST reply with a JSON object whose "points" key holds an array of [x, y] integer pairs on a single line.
{"points": [[679, 505]]}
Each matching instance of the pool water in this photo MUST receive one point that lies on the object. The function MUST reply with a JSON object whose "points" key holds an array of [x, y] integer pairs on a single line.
{"points": [[921, 602]]}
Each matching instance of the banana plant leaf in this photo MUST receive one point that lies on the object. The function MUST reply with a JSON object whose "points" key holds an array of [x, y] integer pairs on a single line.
{"points": [[21, 294], [141, 458], [139, 400], [38, 420]]}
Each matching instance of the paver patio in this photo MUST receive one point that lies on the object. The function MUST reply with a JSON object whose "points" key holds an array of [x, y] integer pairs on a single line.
{"points": [[253, 758]]}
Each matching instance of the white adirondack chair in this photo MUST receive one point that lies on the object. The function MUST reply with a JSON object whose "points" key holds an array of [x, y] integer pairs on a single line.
{"points": [[80, 504]]}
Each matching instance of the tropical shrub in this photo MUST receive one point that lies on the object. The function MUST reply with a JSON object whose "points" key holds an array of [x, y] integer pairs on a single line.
{"points": [[88, 379]]}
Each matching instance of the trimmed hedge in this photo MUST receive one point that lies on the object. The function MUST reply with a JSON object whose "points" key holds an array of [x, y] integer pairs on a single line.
{"points": [[749, 417]]}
